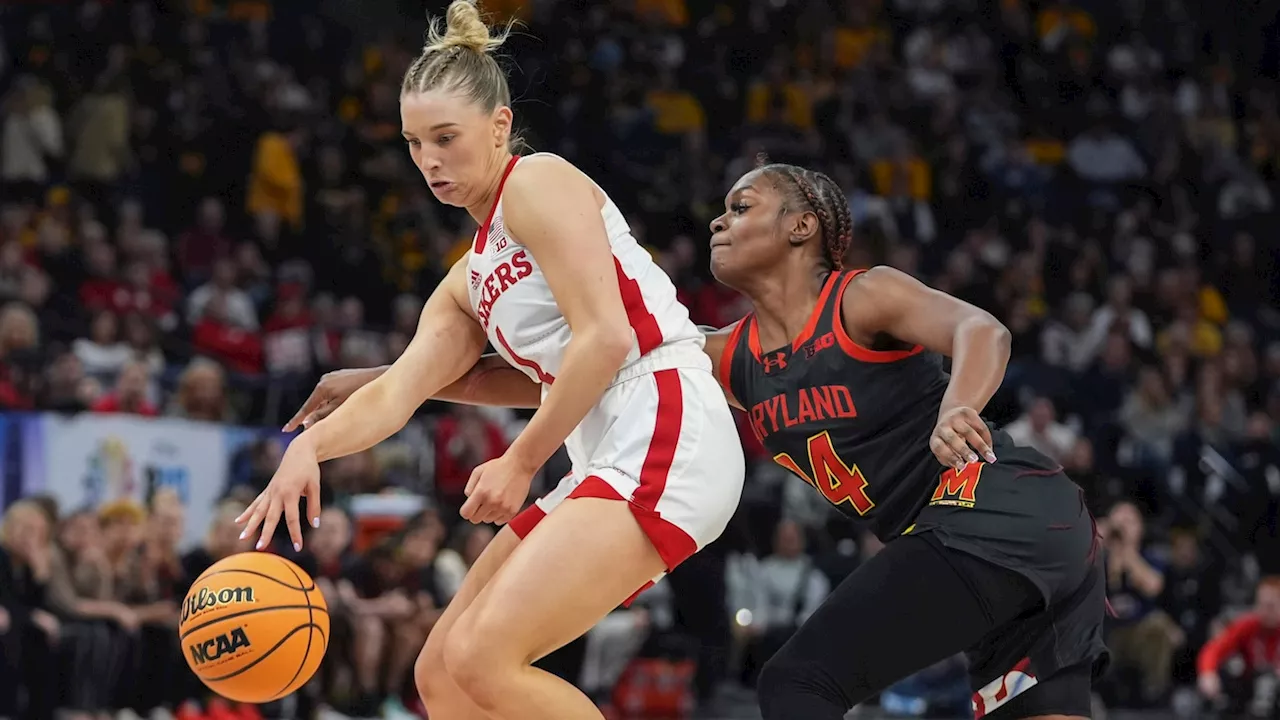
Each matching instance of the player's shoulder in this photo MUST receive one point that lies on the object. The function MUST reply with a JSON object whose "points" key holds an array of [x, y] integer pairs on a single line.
{"points": [[534, 172]]}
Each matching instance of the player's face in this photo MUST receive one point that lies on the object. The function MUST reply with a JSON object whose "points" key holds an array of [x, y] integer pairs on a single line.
{"points": [[455, 144], [747, 239]]}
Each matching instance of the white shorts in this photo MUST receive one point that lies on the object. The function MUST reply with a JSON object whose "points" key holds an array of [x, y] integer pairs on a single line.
{"points": [[664, 441]]}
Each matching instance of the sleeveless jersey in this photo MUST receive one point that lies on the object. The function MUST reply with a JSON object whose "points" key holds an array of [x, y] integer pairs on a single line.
{"points": [[853, 422], [514, 303]]}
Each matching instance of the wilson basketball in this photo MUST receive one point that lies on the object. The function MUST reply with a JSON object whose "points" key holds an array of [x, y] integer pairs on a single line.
{"points": [[254, 627]]}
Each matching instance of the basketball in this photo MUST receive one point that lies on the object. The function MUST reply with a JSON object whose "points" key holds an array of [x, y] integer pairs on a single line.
{"points": [[254, 627]]}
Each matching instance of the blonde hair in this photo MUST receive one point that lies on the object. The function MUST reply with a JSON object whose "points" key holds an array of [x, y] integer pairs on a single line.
{"points": [[460, 59], [121, 511]]}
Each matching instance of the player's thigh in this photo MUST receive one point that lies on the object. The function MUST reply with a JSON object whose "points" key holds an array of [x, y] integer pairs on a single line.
{"points": [[582, 561], [901, 611]]}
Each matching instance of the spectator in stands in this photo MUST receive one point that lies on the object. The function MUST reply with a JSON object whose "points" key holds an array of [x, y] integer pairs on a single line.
{"points": [[374, 594], [20, 362], [327, 557], [201, 393], [238, 309], [130, 393], [94, 624], [200, 247], [102, 353], [453, 563], [28, 644], [30, 139], [1192, 597], [464, 439], [1152, 418], [1142, 638], [789, 588], [1253, 640], [1039, 428], [99, 132]]}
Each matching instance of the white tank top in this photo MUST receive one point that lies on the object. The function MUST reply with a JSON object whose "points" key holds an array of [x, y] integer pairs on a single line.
{"points": [[524, 324]]}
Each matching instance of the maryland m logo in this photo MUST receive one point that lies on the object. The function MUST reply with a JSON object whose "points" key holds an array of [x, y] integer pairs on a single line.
{"points": [[958, 489]]}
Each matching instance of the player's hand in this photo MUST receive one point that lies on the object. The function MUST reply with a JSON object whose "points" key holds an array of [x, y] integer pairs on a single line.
{"points": [[297, 476], [1210, 685], [333, 389], [497, 490], [960, 437]]}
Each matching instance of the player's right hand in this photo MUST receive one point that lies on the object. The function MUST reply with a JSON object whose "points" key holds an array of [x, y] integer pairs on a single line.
{"points": [[297, 476], [333, 389], [1210, 685]]}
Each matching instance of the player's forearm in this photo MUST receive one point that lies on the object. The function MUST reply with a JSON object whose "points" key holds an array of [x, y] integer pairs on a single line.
{"points": [[493, 382], [979, 358], [591, 361], [372, 414]]}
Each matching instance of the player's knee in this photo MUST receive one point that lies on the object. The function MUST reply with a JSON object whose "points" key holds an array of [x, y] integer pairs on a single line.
{"points": [[472, 664], [785, 679], [429, 674]]}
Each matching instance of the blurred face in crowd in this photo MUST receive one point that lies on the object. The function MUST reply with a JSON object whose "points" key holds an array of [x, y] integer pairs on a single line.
{"points": [[78, 532], [24, 529], [1126, 521], [332, 537], [756, 232], [477, 540], [1267, 604], [132, 382], [458, 147], [167, 523], [104, 329], [121, 535], [788, 540], [419, 546]]}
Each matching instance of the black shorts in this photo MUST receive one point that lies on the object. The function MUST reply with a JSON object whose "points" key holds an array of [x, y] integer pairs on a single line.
{"points": [[918, 602]]}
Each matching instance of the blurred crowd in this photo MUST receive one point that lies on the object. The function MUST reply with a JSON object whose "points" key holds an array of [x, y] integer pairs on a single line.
{"points": [[204, 205]]}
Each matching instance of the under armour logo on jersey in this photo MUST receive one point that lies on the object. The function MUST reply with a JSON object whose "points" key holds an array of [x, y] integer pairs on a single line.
{"points": [[475, 280], [776, 361]]}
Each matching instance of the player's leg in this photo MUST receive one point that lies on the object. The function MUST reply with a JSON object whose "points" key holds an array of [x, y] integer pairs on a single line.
{"points": [[903, 610], [440, 694], [581, 562], [672, 451]]}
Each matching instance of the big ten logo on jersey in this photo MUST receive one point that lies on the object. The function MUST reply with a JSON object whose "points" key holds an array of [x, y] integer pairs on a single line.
{"points": [[220, 646], [510, 272], [497, 238], [958, 489], [811, 404], [206, 599], [819, 344]]}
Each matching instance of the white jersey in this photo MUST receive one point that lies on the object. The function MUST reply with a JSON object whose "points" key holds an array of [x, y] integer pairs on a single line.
{"points": [[513, 301]]}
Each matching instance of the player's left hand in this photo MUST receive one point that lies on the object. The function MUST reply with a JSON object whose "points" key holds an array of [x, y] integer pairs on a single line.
{"points": [[960, 437], [297, 476], [497, 490]]}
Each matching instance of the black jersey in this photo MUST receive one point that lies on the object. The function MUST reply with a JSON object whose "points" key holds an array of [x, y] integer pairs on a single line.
{"points": [[853, 422]]}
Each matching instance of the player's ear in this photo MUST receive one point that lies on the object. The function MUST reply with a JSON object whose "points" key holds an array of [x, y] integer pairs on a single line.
{"points": [[804, 226], [502, 123]]}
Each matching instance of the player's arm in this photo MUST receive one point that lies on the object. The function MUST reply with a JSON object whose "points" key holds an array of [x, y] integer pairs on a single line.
{"points": [[1224, 645], [883, 301], [491, 381], [717, 343], [447, 342], [554, 212]]}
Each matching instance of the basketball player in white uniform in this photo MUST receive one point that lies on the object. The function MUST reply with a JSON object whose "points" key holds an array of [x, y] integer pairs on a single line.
{"points": [[557, 284]]}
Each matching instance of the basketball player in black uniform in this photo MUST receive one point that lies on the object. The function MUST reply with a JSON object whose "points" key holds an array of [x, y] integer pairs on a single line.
{"points": [[990, 549]]}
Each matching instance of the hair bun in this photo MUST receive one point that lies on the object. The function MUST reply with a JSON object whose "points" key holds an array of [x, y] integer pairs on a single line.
{"points": [[464, 28]]}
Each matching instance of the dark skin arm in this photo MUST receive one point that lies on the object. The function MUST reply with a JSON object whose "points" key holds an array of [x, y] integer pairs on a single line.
{"points": [[883, 302]]}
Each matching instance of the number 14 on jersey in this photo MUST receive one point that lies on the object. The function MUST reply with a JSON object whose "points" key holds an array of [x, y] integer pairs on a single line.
{"points": [[839, 482]]}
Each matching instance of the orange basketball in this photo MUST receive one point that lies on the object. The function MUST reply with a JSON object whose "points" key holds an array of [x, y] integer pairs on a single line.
{"points": [[254, 627]]}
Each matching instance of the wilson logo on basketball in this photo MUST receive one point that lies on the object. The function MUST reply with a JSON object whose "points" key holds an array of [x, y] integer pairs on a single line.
{"points": [[207, 599], [216, 647]]}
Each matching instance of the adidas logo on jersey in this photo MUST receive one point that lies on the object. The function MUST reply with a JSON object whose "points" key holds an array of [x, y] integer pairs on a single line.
{"points": [[475, 280]]}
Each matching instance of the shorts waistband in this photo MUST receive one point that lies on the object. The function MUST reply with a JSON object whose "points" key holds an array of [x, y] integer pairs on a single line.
{"points": [[685, 354]]}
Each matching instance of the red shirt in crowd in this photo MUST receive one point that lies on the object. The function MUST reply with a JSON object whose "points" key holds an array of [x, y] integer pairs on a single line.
{"points": [[1246, 636], [453, 468], [239, 349]]}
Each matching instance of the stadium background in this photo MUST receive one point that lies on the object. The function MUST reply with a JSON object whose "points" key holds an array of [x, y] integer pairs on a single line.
{"points": [[205, 205]]}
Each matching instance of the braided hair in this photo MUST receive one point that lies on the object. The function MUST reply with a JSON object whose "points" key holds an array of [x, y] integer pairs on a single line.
{"points": [[460, 58], [803, 188]]}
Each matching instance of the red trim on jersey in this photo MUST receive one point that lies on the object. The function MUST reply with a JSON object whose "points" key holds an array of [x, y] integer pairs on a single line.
{"points": [[753, 337], [724, 368], [524, 523], [853, 349], [543, 375], [482, 234], [645, 325], [673, 544]]}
